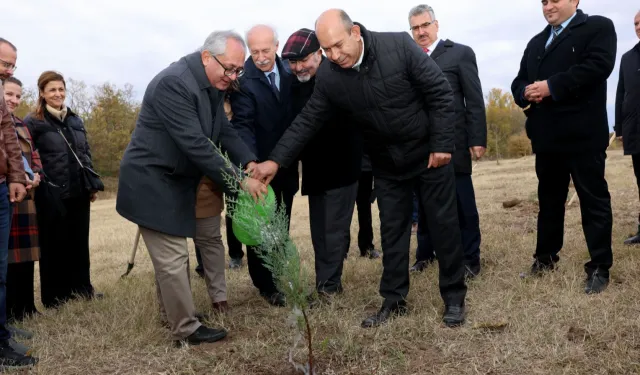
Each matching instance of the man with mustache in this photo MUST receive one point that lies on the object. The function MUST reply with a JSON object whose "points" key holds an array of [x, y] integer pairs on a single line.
{"points": [[261, 114], [627, 123], [403, 105], [562, 84], [458, 62], [331, 164]]}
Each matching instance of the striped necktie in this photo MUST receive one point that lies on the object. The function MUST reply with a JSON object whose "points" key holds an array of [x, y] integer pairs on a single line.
{"points": [[556, 32]]}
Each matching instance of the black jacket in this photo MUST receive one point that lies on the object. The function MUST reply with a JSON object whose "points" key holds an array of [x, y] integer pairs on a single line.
{"points": [[458, 63], [399, 98], [170, 149], [576, 66], [260, 117], [333, 158], [58, 162], [627, 122]]}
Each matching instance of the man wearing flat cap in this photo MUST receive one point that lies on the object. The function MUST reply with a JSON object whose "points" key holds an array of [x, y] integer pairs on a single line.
{"points": [[331, 164]]}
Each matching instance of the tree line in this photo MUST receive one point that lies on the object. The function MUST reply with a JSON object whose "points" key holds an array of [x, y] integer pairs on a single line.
{"points": [[110, 112]]}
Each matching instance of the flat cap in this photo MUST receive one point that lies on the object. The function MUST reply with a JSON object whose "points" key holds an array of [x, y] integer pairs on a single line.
{"points": [[300, 44]]}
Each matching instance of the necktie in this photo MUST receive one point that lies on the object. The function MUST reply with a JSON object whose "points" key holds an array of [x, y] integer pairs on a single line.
{"points": [[426, 50], [556, 31], [272, 80]]}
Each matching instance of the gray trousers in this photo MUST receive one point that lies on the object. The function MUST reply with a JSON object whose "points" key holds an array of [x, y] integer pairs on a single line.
{"points": [[330, 215]]}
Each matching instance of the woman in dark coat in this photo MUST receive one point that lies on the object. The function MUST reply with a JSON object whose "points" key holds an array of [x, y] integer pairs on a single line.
{"points": [[63, 210], [24, 249]]}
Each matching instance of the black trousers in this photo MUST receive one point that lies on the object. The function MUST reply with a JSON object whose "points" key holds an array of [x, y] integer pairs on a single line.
{"points": [[363, 202], [64, 251], [635, 158], [260, 275], [437, 195], [554, 172], [20, 291], [330, 214], [235, 246], [469, 224]]}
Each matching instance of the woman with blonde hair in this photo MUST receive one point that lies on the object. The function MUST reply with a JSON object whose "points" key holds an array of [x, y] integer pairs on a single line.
{"points": [[63, 200]]}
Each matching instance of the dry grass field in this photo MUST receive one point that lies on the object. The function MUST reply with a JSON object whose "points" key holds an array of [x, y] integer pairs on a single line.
{"points": [[550, 325]]}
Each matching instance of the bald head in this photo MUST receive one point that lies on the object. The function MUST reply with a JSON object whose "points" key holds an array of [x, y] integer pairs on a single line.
{"points": [[636, 23], [262, 41], [339, 37]]}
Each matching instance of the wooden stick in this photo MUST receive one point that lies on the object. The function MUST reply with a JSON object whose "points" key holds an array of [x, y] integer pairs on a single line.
{"points": [[132, 257]]}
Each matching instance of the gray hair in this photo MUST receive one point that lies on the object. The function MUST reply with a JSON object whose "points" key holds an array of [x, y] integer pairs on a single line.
{"points": [[421, 9], [273, 30], [216, 42]]}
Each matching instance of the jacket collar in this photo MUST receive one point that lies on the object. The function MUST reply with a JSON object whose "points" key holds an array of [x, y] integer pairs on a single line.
{"points": [[194, 63], [579, 19], [441, 48]]}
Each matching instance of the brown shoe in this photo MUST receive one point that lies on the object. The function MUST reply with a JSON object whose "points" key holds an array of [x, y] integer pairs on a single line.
{"points": [[221, 307]]}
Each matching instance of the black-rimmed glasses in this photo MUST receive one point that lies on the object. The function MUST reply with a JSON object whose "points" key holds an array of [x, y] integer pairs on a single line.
{"points": [[229, 72]]}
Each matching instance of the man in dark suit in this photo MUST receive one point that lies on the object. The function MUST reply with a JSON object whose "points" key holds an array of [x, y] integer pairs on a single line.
{"points": [[562, 83], [458, 63], [261, 113], [331, 166], [627, 124], [364, 200], [403, 105], [169, 152]]}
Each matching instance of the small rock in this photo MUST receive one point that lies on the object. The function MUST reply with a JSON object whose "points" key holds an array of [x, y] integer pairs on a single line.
{"points": [[511, 203]]}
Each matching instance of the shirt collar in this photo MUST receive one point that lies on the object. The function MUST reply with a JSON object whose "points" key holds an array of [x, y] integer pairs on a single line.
{"points": [[432, 47], [274, 69], [566, 23], [357, 65]]}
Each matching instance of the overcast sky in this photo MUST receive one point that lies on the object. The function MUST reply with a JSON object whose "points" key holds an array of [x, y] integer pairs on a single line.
{"points": [[129, 41]]}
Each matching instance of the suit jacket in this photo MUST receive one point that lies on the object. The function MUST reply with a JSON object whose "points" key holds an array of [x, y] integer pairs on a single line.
{"points": [[576, 66], [627, 122], [261, 117], [458, 63], [170, 149]]}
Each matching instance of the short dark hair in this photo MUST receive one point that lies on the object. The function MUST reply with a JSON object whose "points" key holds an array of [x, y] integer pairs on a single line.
{"points": [[12, 80], [14, 48]]}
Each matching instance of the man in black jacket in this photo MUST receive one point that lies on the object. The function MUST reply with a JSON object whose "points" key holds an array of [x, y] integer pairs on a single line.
{"points": [[403, 105], [261, 113], [331, 164], [458, 63], [563, 82], [627, 123]]}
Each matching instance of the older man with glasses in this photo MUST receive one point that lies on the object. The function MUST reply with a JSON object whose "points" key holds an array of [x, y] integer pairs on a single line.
{"points": [[170, 151]]}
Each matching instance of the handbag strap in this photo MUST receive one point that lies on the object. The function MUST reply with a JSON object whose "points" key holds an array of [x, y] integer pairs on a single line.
{"points": [[70, 148]]}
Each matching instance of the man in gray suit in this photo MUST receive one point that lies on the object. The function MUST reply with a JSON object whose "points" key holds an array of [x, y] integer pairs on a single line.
{"points": [[458, 63], [170, 151]]}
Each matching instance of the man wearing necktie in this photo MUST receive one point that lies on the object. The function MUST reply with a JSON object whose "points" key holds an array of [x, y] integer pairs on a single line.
{"points": [[261, 113], [562, 84], [458, 63]]}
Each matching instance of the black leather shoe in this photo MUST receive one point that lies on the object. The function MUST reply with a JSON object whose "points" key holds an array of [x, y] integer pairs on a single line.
{"points": [[633, 240], [538, 268], [596, 282], [471, 271], [275, 299], [384, 314], [453, 315], [421, 265], [12, 359], [371, 254], [203, 334]]}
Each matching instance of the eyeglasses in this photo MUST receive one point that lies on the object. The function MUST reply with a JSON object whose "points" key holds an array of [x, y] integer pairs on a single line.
{"points": [[424, 25], [8, 65], [229, 72]]}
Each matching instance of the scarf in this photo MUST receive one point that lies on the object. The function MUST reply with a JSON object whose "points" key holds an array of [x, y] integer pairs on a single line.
{"points": [[59, 114]]}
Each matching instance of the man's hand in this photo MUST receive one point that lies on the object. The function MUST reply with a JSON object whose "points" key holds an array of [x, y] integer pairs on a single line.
{"points": [[620, 138], [438, 159], [265, 171], [477, 152], [93, 196], [254, 187], [17, 192], [249, 169], [537, 91], [36, 180]]}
